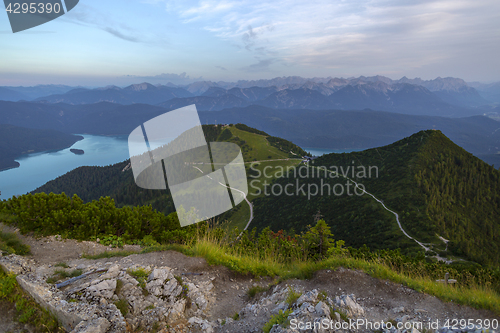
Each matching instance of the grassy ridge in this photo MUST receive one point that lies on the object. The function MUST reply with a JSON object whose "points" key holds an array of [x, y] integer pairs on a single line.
{"points": [[477, 296], [284, 256]]}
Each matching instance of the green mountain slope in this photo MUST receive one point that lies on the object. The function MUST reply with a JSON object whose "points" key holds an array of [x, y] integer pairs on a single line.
{"points": [[436, 187], [116, 181]]}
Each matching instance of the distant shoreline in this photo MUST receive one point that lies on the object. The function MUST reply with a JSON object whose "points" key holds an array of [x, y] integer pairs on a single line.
{"points": [[10, 162], [77, 151], [13, 165]]}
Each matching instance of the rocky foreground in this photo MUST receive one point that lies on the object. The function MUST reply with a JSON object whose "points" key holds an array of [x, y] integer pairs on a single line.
{"points": [[147, 293]]}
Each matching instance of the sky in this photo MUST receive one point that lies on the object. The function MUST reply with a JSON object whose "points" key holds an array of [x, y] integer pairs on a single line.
{"points": [[120, 42]]}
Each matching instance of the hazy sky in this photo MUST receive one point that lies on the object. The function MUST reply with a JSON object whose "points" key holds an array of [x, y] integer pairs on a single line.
{"points": [[103, 42]]}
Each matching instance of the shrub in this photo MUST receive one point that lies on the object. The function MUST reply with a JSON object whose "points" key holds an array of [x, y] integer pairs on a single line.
{"points": [[277, 319], [122, 305], [292, 296], [10, 244], [255, 290]]}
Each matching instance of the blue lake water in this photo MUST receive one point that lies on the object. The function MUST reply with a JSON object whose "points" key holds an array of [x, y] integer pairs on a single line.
{"points": [[323, 151], [39, 168]]}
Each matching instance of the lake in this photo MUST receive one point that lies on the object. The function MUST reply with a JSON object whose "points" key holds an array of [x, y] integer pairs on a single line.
{"points": [[39, 168], [323, 151]]}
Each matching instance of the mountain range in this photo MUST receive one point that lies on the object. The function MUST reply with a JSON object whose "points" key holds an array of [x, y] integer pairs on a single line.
{"points": [[136, 93], [490, 91], [401, 98], [334, 129], [15, 94], [451, 97]]}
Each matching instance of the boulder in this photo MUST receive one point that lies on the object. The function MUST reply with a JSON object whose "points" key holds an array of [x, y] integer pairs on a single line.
{"points": [[104, 289], [322, 310], [310, 297], [99, 325]]}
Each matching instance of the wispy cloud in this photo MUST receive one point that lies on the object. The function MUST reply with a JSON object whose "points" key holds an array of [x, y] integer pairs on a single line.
{"points": [[89, 16], [263, 65], [221, 68], [363, 33], [121, 35]]}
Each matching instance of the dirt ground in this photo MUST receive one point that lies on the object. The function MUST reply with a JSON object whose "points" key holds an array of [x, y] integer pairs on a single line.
{"points": [[7, 312], [377, 297]]}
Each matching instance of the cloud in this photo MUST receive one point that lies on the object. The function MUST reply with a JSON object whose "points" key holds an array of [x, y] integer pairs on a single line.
{"points": [[89, 16], [261, 66], [375, 34], [221, 68], [249, 37], [118, 34]]}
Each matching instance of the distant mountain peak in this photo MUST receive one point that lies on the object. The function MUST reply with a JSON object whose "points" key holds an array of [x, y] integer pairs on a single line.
{"points": [[140, 86], [110, 87]]}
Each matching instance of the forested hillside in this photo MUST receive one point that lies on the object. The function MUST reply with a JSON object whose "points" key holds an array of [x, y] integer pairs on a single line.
{"points": [[436, 187], [16, 141], [116, 181]]}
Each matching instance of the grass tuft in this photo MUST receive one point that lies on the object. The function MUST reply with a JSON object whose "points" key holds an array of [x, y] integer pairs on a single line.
{"points": [[122, 305], [60, 274], [277, 319], [292, 296], [10, 244], [62, 264], [255, 290], [27, 310], [141, 275], [109, 254], [119, 286]]}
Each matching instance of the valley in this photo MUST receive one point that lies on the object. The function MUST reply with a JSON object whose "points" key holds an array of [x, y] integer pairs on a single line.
{"points": [[414, 195], [215, 166], [392, 214]]}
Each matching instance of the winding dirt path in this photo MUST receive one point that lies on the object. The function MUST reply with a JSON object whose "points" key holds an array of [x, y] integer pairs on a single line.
{"points": [[385, 207], [241, 192]]}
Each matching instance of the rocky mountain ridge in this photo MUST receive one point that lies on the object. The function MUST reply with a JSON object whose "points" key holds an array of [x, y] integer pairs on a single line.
{"points": [[169, 292], [450, 90]]}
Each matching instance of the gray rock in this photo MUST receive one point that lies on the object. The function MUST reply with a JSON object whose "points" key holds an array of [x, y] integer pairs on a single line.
{"points": [[177, 310], [43, 296], [162, 274], [282, 306], [310, 297], [398, 309], [322, 309], [306, 307], [104, 289], [99, 325], [353, 308], [205, 325], [112, 272]]}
